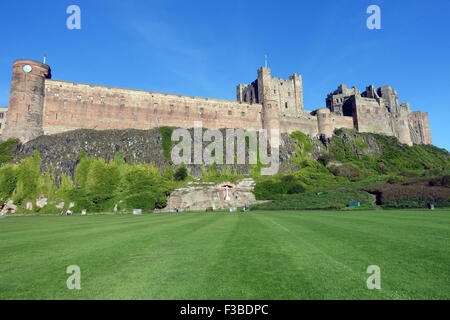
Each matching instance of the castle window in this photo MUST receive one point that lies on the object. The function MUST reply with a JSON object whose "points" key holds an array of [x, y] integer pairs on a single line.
{"points": [[324, 115], [269, 106], [1, 115], [245, 97], [289, 94], [102, 100], [402, 122], [229, 113], [202, 111], [274, 91], [186, 109], [285, 105], [158, 120], [122, 103], [135, 118], [155, 107], [0, 125], [337, 109], [171, 108], [78, 98], [91, 99], [242, 114], [56, 94], [56, 116], [122, 117]]}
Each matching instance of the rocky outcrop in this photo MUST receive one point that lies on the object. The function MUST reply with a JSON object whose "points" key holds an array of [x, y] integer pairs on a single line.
{"points": [[198, 196], [61, 152]]}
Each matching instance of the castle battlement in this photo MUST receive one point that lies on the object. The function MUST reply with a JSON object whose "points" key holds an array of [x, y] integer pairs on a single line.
{"points": [[40, 105]]}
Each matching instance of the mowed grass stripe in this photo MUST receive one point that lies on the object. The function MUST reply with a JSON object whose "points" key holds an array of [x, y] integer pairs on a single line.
{"points": [[42, 261], [407, 268], [326, 273], [248, 265]]}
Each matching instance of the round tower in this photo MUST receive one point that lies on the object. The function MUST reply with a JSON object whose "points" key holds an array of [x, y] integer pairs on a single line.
{"points": [[402, 129], [324, 122], [26, 100]]}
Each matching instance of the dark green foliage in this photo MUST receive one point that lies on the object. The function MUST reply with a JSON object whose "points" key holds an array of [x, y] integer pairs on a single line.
{"points": [[443, 181], [303, 148], [335, 198], [99, 186], [273, 188], [144, 188], [348, 146], [345, 170], [181, 174], [166, 135], [324, 159], [28, 173], [8, 181], [409, 195], [6, 150]]}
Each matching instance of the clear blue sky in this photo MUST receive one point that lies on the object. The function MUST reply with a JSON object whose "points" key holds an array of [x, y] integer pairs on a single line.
{"points": [[205, 48]]}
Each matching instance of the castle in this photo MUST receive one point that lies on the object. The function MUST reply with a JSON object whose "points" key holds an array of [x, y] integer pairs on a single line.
{"points": [[39, 105]]}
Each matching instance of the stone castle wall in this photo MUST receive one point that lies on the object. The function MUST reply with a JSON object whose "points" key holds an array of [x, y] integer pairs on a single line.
{"points": [[70, 106], [39, 105], [3, 111]]}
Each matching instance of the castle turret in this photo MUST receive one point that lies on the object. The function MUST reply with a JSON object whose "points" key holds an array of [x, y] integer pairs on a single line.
{"points": [[324, 122], [26, 100]]}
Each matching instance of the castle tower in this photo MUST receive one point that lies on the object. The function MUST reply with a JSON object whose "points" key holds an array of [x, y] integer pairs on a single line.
{"points": [[402, 128], [268, 97], [26, 100], [324, 122]]}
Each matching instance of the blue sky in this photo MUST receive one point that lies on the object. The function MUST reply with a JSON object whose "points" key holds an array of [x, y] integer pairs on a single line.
{"points": [[206, 48]]}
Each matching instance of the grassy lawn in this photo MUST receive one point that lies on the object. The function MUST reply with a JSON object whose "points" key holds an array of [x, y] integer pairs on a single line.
{"points": [[259, 255]]}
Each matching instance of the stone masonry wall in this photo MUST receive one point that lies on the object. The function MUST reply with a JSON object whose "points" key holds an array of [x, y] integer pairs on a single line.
{"points": [[70, 106]]}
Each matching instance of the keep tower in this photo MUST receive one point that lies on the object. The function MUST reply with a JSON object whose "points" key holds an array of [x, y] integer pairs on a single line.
{"points": [[26, 100], [268, 97]]}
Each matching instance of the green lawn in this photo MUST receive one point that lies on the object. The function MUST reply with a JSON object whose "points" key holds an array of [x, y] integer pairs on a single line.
{"points": [[258, 255]]}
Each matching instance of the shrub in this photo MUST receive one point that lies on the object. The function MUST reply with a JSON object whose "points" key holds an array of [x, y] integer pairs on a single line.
{"points": [[331, 198], [181, 173], [345, 170], [166, 135], [6, 150], [28, 172], [144, 189], [443, 181], [391, 194], [8, 181]]}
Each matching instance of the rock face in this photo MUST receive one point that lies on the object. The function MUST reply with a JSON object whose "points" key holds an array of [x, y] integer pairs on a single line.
{"points": [[41, 202], [9, 207], [60, 152], [198, 196]]}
